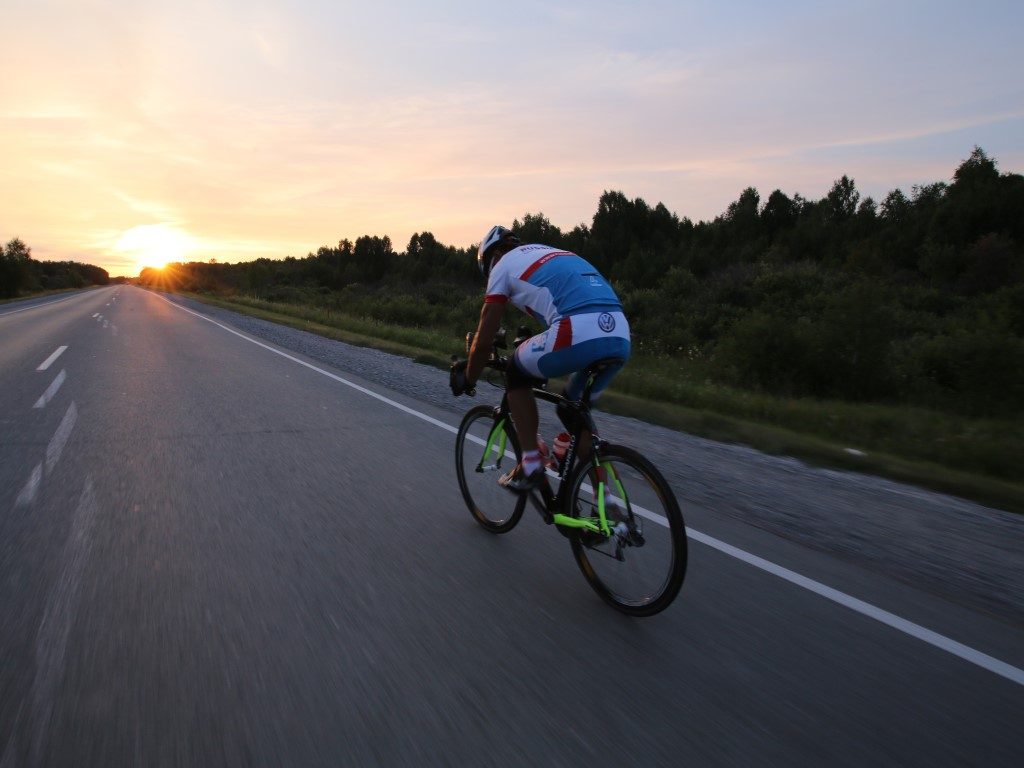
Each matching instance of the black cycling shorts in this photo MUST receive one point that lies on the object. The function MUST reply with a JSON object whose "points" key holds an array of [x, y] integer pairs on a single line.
{"points": [[517, 378]]}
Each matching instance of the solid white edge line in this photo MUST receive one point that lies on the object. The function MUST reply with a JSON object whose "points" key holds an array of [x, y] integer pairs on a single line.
{"points": [[328, 374], [35, 306], [49, 361], [934, 639], [942, 642], [51, 390]]}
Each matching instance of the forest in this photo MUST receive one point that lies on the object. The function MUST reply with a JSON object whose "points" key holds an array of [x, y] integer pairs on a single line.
{"points": [[914, 300], [21, 274]]}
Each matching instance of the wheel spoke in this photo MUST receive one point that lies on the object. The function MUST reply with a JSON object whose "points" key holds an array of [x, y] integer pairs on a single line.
{"points": [[480, 450], [642, 566]]}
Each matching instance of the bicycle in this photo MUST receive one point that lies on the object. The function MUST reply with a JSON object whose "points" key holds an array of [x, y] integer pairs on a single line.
{"points": [[640, 539]]}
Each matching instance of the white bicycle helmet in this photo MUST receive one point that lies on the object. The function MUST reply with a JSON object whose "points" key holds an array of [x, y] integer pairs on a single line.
{"points": [[484, 257]]}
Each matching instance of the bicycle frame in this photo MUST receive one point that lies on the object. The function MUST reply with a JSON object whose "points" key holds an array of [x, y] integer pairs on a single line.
{"points": [[552, 500], [608, 523]]}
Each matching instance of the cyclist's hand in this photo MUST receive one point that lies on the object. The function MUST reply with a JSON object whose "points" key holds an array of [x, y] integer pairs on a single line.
{"points": [[457, 379]]}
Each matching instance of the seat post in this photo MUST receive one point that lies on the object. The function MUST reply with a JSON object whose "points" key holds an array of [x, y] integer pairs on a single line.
{"points": [[594, 370]]}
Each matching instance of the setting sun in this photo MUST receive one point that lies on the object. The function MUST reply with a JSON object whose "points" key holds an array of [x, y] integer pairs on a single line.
{"points": [[154, 245]]}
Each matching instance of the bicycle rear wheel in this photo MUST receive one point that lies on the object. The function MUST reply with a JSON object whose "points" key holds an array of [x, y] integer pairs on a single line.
{"points": [[486, 447], [640, 568]]}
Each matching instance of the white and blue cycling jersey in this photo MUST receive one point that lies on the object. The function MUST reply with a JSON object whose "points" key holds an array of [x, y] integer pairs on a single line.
{"points": [[583, 316]]}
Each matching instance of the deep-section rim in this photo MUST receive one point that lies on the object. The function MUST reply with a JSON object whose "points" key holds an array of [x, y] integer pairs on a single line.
{"points": [[677, 532], [472, 415]]}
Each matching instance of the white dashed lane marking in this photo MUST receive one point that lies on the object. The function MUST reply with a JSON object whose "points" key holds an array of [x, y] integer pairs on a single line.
{"points": [[51, 390], [53, 451], [55, 629], [49, 361], [60, 438], [28, 493]]}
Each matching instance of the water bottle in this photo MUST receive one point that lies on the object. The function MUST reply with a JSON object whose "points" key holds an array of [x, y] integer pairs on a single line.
{"points": [[561, 446], [545, 455]]}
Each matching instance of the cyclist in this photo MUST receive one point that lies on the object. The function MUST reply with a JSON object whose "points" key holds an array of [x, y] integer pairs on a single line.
{"points": [[584, 323]]}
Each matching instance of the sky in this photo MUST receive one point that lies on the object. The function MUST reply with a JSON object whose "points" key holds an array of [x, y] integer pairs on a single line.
{"points": [[133, 133]]}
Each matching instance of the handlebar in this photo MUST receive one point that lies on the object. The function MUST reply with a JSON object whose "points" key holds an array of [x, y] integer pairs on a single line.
{"points": [[495, 360], [500, 342]]}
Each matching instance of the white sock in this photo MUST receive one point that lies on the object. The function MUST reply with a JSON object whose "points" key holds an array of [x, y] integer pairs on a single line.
{"points": [[532, 461]]}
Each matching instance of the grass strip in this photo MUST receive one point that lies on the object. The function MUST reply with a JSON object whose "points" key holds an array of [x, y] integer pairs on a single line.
{"points": [[434, 348]]}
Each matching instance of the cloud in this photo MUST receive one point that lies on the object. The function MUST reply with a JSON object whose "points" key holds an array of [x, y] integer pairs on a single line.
{"points": [[269, 128]]}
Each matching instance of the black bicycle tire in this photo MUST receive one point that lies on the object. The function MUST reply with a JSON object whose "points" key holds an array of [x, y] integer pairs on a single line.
{"points": [[677, 529], [486, 411]]}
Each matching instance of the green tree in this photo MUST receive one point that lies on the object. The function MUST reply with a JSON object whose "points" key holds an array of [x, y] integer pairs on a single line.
{"points": [[989, 264], [372, 257], [15, 261], [743, 219], [779, 212], [536, 228], [841, 201], [895, 207]]}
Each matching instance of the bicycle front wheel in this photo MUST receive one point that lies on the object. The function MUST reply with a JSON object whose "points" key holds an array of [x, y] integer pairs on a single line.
{"points": [[486, 447], [639, 569]]}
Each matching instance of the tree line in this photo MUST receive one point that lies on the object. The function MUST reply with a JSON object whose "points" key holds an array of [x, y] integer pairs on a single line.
{"points": [[917, 299], [21, 274]]}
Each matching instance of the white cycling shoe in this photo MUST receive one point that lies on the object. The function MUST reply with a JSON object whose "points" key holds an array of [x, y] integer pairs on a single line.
{"points": [[518, 482]]}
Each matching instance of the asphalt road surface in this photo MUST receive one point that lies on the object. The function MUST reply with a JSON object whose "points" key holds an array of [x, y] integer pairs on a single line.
{"points": [[217, 552]]}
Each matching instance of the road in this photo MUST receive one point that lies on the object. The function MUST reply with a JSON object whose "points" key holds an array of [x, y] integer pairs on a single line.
{"points": [[217, 552]]}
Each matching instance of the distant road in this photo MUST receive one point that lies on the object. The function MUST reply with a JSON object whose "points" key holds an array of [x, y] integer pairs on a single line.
{"points": [[214, 551]]}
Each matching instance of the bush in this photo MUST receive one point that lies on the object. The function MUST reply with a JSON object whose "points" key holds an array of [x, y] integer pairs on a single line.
{"points": [[971, 372], [766, 352]]}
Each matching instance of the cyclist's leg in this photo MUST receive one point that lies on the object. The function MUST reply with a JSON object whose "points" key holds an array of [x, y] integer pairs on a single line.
{"points": [[568, 346], [574, 390], [589, 352], [523, 405]]}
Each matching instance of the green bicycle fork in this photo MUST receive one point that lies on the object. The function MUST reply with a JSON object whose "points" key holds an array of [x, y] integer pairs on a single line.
{"points": [[600, 525], [497, 441], [498, 435]]}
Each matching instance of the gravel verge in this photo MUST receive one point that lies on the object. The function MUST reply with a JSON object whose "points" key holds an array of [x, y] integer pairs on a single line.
{"points": [[965, 552]]}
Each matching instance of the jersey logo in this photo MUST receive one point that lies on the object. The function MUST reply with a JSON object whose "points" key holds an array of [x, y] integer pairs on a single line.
{"points": [[595, 281], [606, 322]]}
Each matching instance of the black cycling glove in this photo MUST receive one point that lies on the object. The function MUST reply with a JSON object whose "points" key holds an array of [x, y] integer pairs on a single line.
{"points": [[457, 379]]}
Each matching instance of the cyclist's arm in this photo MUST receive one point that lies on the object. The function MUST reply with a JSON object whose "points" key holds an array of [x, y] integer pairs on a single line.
{"points": [[490, 321]]}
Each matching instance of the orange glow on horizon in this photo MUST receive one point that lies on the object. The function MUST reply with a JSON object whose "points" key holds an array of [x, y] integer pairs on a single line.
{"points": [[137, 134], [154, 245]]}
